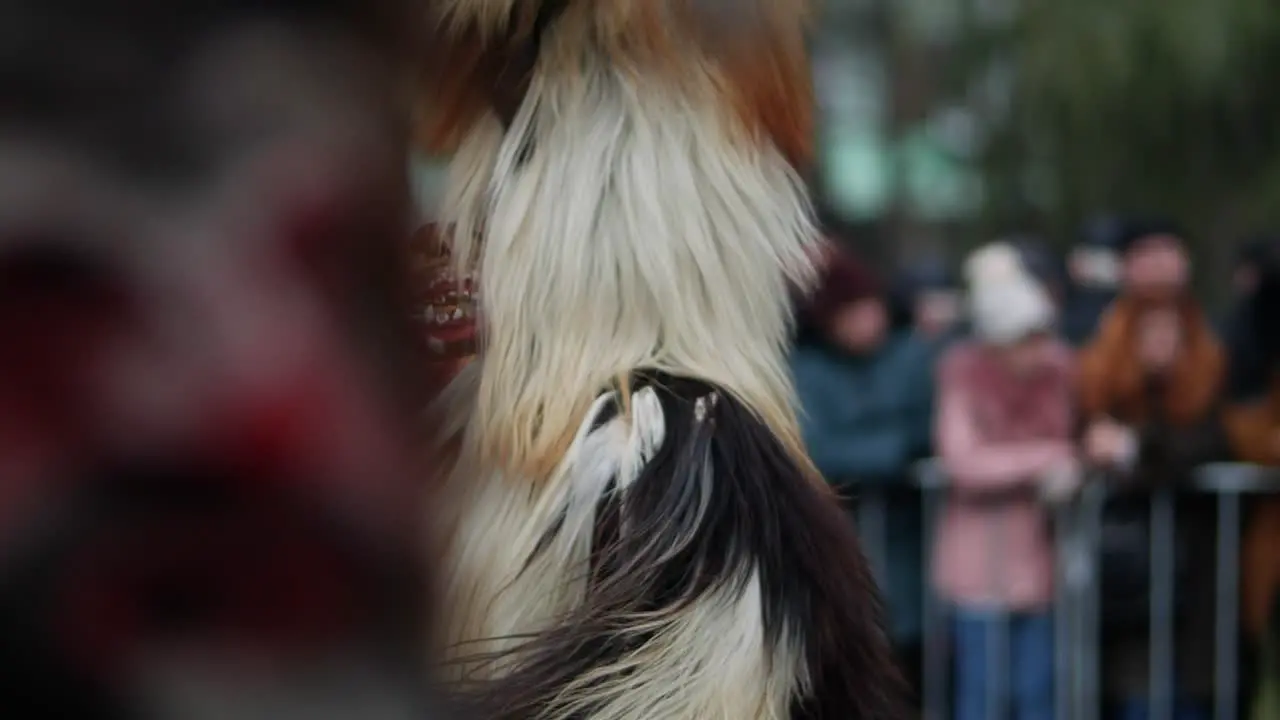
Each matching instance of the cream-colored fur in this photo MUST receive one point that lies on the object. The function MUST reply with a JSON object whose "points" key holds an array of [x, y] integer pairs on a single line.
{"points": [[647, 228], [708, 662]]}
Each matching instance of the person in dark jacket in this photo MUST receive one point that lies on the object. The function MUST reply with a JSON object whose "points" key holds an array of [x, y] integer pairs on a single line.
{"points": [[1150, 381], [1093, 273], [866, 412], [925, 297], [1045, 266], [1248, 376]]}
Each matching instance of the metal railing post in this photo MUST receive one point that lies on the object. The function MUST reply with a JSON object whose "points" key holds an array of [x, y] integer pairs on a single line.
{"points": [[998, 633], [936, 648], [1066, 597], [1160, 653], [1227, 607], [873, 528], [1089, 614], [1230, 482]]}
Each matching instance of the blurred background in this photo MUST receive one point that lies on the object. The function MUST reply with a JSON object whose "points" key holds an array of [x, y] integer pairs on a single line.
{"points": [[1084, 135], [1039, 368], [947, 120]]}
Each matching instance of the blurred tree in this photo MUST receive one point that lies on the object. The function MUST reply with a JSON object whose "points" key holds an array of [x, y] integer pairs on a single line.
{"points": [[1064, 108], [1153, 105]]}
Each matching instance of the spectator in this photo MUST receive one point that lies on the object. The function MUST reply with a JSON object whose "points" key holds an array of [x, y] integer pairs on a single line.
{"points": [[1046, 266], [1249, 368], [1093, 273], [1250, 260], [866, 396], [1253, 426], [1150, 380], [1004, 432], [925, 299]]}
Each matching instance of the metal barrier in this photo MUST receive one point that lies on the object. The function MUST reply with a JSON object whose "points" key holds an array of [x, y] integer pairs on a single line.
{"points": [[1230, 483], [1077, 616], [933, 483], [937, 631]]}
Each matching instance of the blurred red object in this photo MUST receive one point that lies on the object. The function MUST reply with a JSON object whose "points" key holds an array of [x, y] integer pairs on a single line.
{"points": [[445, 303]]}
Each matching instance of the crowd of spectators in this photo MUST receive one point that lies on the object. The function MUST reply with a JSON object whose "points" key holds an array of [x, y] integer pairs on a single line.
{"points": [[1025, 374]]}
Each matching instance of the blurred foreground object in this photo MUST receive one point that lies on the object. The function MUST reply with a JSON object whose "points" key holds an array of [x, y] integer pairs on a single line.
{"points": [[208, 367], [447, 302], [642, 534]]}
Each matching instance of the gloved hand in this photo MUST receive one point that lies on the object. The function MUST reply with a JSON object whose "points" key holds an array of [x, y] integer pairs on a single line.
{"points": [[1061, 482]]}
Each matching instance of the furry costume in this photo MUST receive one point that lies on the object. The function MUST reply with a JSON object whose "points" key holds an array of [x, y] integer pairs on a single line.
{"points": [[641, 535]]}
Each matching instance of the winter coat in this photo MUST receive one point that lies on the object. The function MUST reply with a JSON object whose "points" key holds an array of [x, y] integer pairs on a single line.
{"points": [[865, 420], [1178, 426], [996, 434], [1252, 429], [1082, 310]]}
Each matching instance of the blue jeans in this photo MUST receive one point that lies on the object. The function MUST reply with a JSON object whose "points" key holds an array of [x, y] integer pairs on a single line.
{"points": [[1137, 709], [988, 641]]}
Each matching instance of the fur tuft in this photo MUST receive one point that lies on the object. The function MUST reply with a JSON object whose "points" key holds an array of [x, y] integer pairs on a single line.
{"points": [[626, 222], [703, 572], [636, 545], [493, 18]]}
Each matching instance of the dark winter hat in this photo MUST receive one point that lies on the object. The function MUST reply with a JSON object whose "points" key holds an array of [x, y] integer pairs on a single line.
{"points": [[1041, 261], [1258, 348], [1103, 232], [1257, 250], [1138, 228], [929, 274], [845, 280]]}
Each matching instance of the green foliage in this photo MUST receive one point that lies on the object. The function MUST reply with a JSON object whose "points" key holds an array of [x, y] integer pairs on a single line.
{"points": [[1156, 105]]}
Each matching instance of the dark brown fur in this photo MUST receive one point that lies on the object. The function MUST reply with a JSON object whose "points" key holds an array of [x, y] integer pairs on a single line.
{"points": [[762, 514]]}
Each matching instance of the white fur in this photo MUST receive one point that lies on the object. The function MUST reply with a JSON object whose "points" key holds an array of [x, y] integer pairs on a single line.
{"points": [[649, 228], [710, 662], [495, 604]]}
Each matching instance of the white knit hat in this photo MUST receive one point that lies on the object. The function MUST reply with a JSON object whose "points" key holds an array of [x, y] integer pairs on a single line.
{"points": [[1006, 303]]}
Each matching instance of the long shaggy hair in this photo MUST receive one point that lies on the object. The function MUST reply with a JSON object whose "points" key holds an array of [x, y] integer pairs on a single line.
{"points": [[1113, 381], [657, 241], [641, 533]]}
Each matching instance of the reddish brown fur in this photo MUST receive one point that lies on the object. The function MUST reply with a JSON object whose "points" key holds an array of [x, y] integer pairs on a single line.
{"points": [[454, 83], [765, 67], [462, 66], [775, 95], [759, 61]]}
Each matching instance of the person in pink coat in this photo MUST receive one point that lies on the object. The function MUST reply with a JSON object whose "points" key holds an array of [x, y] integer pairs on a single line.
{"points": [[1004, 428]]}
